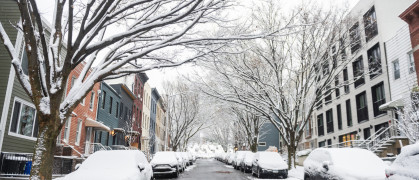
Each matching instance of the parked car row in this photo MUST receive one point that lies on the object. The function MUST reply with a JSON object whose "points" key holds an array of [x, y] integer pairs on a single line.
{"points": [[355, 163], [260, 164], [171, 163]]}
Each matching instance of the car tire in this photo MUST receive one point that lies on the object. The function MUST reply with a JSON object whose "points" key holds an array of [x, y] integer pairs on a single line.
{"points": [[258, 175], [176, 175], [306, 177]]}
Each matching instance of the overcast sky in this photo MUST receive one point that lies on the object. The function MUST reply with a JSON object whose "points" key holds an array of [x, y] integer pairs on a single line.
{"points": [[157, 77]]}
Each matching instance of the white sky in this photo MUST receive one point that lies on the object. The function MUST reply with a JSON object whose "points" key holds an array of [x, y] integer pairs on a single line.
{"points": [[157, 77]]}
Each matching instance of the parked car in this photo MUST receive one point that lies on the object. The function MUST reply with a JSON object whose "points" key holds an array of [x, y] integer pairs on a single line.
{"points": [[190, 157], [110, 165], [185, 158], [166, 163], [269, 164], [238, 157], [343, 163], [246, 164], [182, 161], [230, 159], [406, 165]]}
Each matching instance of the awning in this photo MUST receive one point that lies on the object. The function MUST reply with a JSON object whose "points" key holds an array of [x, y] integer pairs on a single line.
{"points": [[133, 133], [95, 124], [119, 130], [392, 105]]}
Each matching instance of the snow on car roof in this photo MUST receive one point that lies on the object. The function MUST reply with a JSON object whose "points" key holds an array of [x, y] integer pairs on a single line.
{"points": [[119, 158], [166, 157], [407, 162], [349, 162]]}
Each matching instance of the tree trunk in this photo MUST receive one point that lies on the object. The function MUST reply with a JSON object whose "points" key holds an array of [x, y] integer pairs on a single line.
{"points": [[254, 145], [43, 157], [291, 155]]}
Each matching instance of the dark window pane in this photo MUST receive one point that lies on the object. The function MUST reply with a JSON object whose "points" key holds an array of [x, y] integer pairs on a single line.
{"points": [[339, 113], [320, 125], [104, 100], [348, 112], [362, 107], [329, 120], [370, 22], [378, 98], [15, 118], [374, 61], [355, 37], [358, 70]]}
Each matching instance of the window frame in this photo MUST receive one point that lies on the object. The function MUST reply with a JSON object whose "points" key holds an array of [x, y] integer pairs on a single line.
{"points": [[92, 100], [320, 126], [358, 70], [375, 68], [16, 134], [377, 103], [103, 99], [411, 62], [66, 137], [371, 28], [110, 105], [362, 111], [78, 131], [394, 69], [329, 125]]}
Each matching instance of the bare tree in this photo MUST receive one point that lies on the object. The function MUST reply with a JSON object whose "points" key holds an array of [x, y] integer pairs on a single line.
{"points": [[119, 37], [285, 78], [408, 121], [250, 122], [183, 113]]}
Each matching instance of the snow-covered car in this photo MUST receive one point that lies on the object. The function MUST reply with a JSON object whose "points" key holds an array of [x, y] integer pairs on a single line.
{"points": [[165, 163], [182, 161], [230, 159], [185, 158], [190, 157], [406, 165], [110, 165], [238, 157], [343, 163], [246, 164], [269, 164]]}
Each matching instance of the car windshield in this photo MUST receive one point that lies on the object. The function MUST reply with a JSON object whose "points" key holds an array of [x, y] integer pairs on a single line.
{"points": [[270, 157], [119, 158], [164, 157]]}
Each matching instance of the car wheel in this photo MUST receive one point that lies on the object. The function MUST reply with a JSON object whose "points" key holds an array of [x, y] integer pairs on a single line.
{"points": [[306, 176], [258, 175], [176, 174]]}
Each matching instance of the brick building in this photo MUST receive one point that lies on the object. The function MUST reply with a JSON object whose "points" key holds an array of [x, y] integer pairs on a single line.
{"points": [[411, 16]]}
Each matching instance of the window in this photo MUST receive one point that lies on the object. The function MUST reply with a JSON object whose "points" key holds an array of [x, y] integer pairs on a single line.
{"points": [[110, 105], [345, 79], [339, 113], [355, 37], [374, 61], [348, 112], [378, 98], [24, 121], [358, 69], [329, 120], [308, 128], [262, 143], [370, 22], [337, 89], [362, 107], [121, 110], [67, 130], [328, 98], [319, 103], [411, 62], [396, 69], [117, 109], [103, 99], [322, 143], [320, 125], [92, 100], [78, 132], [325, 64]]}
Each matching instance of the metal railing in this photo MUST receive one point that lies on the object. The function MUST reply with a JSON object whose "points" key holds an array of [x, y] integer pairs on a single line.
{"points": [[20, 164]]}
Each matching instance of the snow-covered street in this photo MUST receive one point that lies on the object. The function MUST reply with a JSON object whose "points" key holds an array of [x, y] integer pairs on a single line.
{"points": [[213, 169]]}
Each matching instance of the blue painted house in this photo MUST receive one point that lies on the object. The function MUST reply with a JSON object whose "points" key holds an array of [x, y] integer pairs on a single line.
{"points": [[269, 136], [155, 96], [125, 112], [108, 114]]}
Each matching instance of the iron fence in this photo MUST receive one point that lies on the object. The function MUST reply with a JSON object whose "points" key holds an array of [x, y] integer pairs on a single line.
{"points": [[19, 164]]}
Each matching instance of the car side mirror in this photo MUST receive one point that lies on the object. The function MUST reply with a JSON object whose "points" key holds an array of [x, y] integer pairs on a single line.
{"points": [[77, 166], [326, 165], [141, 167]]}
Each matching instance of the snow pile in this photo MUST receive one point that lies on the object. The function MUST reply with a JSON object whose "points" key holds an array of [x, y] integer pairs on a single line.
{"points": [[207, 150], [104, 165], [271, 160], [304, 152], [164, 157], [351, 163], [406, 164], [297, 172]]}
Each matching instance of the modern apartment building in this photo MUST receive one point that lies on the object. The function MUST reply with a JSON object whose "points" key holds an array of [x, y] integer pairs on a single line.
{"points": [[352, 112]]}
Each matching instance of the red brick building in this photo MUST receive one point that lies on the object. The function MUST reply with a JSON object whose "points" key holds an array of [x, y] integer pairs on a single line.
{"points": [[411, 16], [77, 133], [138, 89]]}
